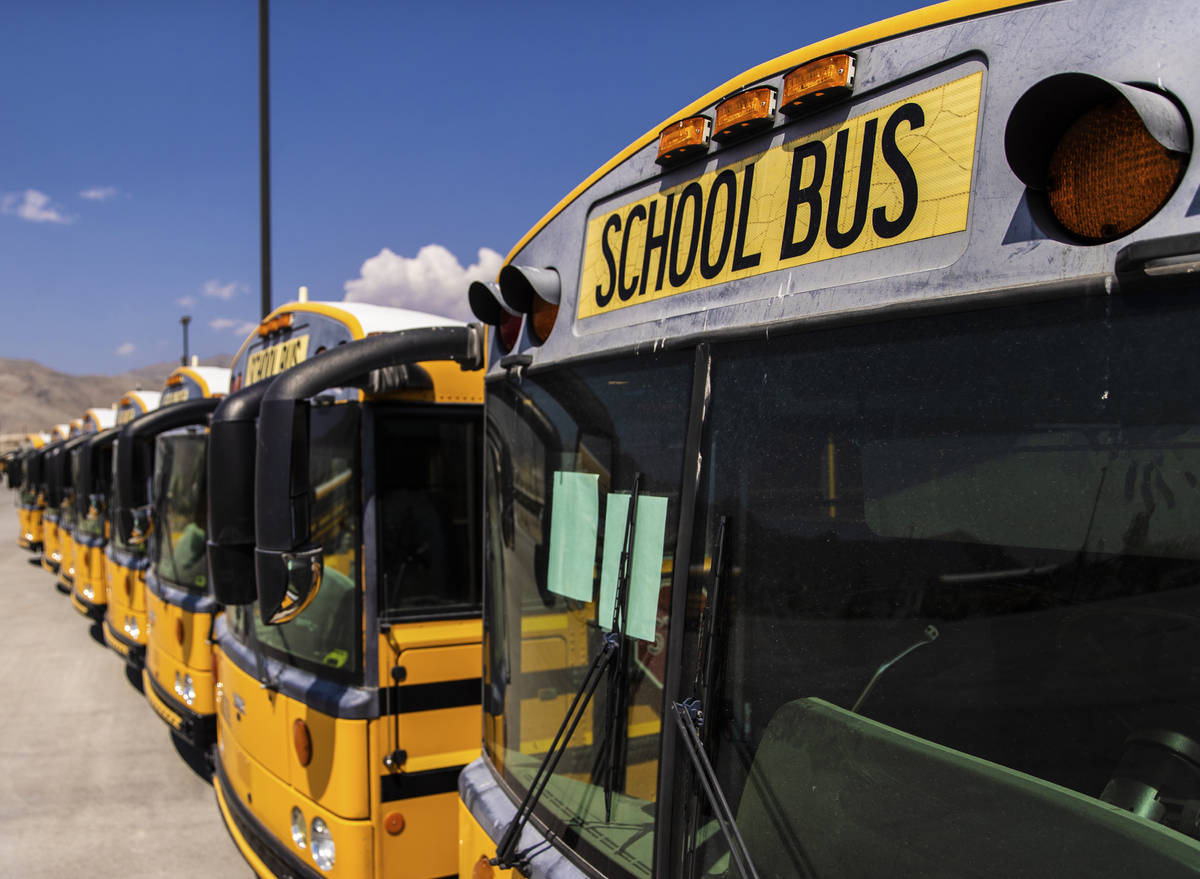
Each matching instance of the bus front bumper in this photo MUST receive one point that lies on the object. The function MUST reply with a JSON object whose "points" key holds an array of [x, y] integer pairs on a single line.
{"points": [[86, 607], [133, 652], [198, 730], [258, 846]]}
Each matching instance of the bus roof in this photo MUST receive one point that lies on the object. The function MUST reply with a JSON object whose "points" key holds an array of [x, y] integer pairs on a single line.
{"points": [[148, 400], [360, 318], [213, 381], [100, 418], [897, 25]]}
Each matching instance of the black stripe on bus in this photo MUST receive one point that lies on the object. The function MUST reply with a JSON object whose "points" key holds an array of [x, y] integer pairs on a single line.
{"points": [[430, 697], [409, 785]]}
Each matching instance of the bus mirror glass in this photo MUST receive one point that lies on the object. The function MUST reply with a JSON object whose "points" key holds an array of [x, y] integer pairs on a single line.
{"points": [[141, 524], [95, 506], [287, 582]]}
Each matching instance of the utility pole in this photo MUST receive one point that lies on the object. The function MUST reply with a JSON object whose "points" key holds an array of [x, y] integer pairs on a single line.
{"points": [[264, 152], [185, 320]]}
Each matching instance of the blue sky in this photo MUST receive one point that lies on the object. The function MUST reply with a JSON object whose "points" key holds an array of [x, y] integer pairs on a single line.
{"points": [[412, 145]]}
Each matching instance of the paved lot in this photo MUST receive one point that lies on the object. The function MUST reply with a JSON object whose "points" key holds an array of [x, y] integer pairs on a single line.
{"points": [[91, 783]]}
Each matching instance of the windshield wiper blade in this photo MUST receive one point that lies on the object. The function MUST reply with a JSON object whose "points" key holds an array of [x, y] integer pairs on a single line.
{"points": [[687, 715], [615, 732], [704, 678], [506, 855]]}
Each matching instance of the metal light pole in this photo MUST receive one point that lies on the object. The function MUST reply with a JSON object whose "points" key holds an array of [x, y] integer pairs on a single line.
{"points": [[264, 152], [185, 320]]}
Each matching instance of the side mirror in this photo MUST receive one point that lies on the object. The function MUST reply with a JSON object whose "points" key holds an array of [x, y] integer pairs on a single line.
{"points": [[141, 525], [287, 582]]}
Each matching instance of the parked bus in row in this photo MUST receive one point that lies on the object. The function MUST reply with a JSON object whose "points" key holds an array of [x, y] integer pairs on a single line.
{"points": [[29, 505], [65, 473], [164, 454], [51, 549], [854, 410], [348, 695]]}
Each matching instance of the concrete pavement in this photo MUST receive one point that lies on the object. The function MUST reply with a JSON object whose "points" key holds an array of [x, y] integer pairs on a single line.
{"points": [[91, 783]]}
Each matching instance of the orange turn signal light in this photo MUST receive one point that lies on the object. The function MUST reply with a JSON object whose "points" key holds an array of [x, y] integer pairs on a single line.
{"points": [[482, 869], [817, 83], [393, 823], [282, 322], [302, 741], [172, 382], [683, 139], [179, 631], [745, 113]]}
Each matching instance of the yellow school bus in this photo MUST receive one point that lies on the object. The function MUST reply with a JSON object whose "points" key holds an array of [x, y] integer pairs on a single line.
{"points": [[344, 714], [124, 563], [21, 477], [77, 556], [873, 469], [147, 512], [48, 490]]}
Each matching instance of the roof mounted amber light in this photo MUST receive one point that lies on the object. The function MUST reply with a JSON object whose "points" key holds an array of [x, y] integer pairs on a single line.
{"points": [[1099, 158], [535, 292], [817, 83], [744, 114], [488, 305], [683, 139]]}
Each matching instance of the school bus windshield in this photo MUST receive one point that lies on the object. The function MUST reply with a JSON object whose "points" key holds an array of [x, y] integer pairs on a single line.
{"points": [[1016, 492], [578, 438], [180, 481]]}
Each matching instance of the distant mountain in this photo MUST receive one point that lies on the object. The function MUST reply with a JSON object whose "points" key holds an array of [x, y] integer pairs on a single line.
{"points": [[34, 397]]}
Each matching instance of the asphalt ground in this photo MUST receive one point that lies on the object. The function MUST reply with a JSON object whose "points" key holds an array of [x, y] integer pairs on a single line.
{"points": [[92, 783]]}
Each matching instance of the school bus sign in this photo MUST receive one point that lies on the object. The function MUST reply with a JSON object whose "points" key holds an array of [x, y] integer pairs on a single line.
{"points": [[897, 174]]}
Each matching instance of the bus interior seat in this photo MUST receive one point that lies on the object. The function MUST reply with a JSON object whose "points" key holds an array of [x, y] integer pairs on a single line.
{"points": [[831, 793]]}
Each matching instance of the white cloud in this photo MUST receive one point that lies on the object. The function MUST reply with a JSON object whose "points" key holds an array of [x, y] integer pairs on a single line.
{"points": [[240, 328], [433, 281], [224, 291], [33, 206], [125, 349], [186, 301], [99, 193]]}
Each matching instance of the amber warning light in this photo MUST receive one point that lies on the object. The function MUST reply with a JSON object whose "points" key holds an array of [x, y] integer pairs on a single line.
{"points": [[745, 113], [683, 139], [817, 82]]}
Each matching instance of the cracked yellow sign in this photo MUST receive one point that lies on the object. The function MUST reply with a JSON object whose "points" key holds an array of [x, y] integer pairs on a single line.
{"points": [[897, 174]]}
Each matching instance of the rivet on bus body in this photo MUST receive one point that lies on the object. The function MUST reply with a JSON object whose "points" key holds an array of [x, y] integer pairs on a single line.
{"points": [[394, 823]]}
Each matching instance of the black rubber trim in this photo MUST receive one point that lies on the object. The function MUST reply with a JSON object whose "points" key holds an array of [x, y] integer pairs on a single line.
{"points": [[410, 785], [431, 697], [279, 860], [136, 653], [95, 611], [198, 730]]}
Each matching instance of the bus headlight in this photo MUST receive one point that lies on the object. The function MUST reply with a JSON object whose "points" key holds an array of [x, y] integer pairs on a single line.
{"points": [[299, 830], [322, 844], [131, 627], [189, 690], [89, 593]]}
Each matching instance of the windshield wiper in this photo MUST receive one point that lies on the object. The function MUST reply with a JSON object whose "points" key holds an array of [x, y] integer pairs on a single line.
{"points": [[506, 855], [615, 730], [612, 648], [688, 718]]}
